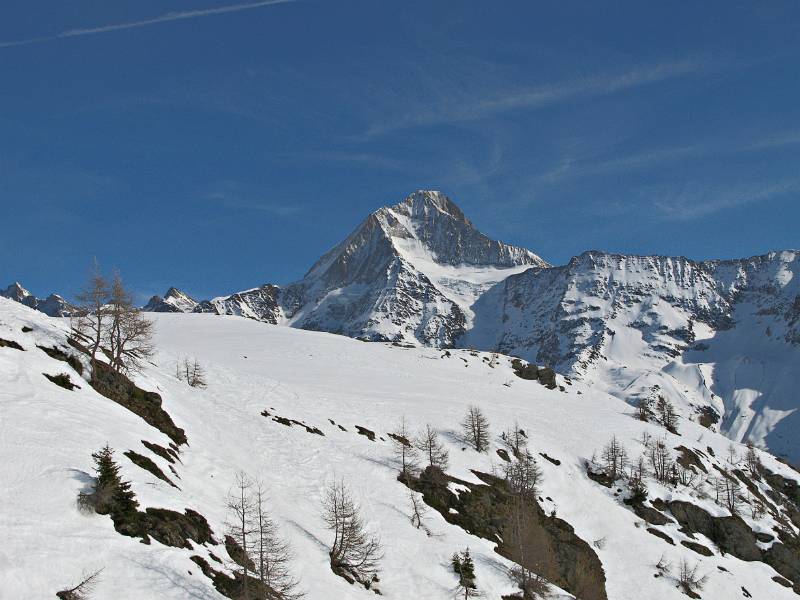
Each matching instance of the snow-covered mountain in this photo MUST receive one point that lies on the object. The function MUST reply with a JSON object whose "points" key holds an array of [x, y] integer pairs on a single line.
{"points": [[54, 305], [302, 409], [409, 273], [173, 301], [713, 335]]}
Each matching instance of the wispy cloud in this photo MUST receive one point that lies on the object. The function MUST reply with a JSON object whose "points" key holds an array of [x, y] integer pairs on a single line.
{"points": [[461, 107], [692, 201], [237, 196], [778, 140], [570, 167], [171, 16]]}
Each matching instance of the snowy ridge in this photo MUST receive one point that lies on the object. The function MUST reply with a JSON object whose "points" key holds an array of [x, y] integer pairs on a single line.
{"points": [[54, 305], [716, 334], [408, 273], [173, 301], [48, 435]]}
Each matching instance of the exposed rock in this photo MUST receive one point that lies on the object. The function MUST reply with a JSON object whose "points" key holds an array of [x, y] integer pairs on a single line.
{"points": [[481, 510], [688, 458], [167, 454], [366, 433], [10, 344], [699, 548], [149, 466], [59, 354], [62, 380], [650, 515], [147, 405], [660, 534]]}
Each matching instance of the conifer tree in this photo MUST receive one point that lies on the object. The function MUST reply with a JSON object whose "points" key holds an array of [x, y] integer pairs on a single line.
{"points": [[111, 495], [464, 567]]}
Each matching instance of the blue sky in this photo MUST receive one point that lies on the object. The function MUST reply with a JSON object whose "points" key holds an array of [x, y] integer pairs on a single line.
{"points": [[217, 146]]}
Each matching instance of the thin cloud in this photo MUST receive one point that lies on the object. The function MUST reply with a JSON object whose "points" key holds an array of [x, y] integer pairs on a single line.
{"points": [[569, 168], [172, 16], [693, 203], [469, 109]]}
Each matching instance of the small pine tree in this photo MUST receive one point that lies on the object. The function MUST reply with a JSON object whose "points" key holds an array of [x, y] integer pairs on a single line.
{"points": [[667, 415], [111, 495], [637, 485], [464, 567], [644, 409]]}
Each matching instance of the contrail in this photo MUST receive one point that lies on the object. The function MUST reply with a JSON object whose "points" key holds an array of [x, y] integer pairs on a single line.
{"points": [[172, 16]]}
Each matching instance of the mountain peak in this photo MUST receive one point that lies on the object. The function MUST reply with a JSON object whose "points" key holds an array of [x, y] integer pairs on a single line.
{"points": [[16, 292], [419, 204], [173, 301]]}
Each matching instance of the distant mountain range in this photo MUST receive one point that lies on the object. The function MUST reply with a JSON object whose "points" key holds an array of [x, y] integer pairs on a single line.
{"points": [[54, 305], [721, 339]]}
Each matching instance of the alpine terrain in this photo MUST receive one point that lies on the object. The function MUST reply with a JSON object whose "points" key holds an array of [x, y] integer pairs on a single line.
{"points": [[720, 339], [619, 427]]}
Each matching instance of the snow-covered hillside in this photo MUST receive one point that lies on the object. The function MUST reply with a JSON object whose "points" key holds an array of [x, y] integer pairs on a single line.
{"points": [[720, 339], [333, 384]]}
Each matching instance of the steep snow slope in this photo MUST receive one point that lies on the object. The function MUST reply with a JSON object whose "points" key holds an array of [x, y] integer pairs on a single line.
{"points": [[47, 435]]}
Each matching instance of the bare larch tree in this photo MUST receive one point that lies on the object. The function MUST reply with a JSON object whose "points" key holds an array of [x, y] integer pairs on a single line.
{"points": [[271, 554], [241, 527], [615, 459], [515, 439], [404, 451], [524, 476], [476, 429], [130, 332], [355, 553], [90, 323], [432, 449]]}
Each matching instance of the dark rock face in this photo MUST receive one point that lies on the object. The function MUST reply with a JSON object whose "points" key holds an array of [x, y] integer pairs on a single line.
{"points": [[785, 559], [172, 528], [148, 465], [731, 534], [699, 548], [147, 405], [650, 515], [482, 511], [10, 344]]}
